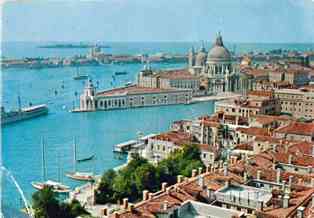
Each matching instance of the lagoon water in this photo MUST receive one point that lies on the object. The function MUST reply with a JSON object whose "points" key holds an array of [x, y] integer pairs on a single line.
{"points": [[95, 132]]}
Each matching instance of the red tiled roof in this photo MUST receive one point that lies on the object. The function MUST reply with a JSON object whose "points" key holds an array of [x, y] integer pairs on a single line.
{"points": [[129, 90], [266, 119], [260, 93], [297, 128], [256, 131], [244, 146], [178, 138], [176, 74]]}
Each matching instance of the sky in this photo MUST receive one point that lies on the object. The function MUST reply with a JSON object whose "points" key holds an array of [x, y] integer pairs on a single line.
{"points": [[158, 20]]}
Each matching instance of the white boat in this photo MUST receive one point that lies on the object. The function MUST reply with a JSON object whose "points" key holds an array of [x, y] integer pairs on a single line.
{"points": [[57, 187], [8, 117], [81, 176]]}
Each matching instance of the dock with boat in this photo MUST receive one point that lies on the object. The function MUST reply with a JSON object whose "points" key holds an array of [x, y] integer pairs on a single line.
{"points": [[132, 145]]}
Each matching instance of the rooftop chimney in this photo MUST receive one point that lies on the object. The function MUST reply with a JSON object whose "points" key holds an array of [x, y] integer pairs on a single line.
{"points": [[165, 205], [105, 211], [286, 199], [180, 178], [150, 196], [290, 180], [221, 164], [145, 195], [225, 167], [125, 203], [194, 172], [300, 212], [245, 177], [278, 175], [274, 148], [258, 175], [116, 215], [260, 205], [163, 186], [208, 168], [200, 169], [131, 208], [212, 169], [290, 159], [201, 181]]}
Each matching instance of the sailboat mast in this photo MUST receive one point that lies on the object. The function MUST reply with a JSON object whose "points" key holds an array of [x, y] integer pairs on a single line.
{"points": [[59, 166], [74, 154], [44, 174], [19, 102]]}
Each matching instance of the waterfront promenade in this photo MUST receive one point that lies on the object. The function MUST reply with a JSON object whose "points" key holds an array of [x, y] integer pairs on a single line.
{"points": [[220, 96]]}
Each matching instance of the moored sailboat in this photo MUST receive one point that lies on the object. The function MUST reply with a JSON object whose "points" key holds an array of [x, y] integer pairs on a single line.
{"points": [[79, 76], [76, 175], [57, 187]]}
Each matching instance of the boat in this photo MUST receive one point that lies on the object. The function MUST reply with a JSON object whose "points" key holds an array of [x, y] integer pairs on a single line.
{"points": [[120, 73], [13, 116], [79, 76], [128, 84], [57, 187], [86, 159], [81, 176]]}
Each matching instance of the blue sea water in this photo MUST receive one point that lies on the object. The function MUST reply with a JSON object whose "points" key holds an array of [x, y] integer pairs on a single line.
{"points": [[95, 132]]}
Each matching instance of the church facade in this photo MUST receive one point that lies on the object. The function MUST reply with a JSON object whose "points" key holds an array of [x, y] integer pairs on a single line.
{"points": [[217, 66]]}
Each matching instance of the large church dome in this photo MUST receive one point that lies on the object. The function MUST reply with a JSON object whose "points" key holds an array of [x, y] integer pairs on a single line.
{"points": [[218, 51]]}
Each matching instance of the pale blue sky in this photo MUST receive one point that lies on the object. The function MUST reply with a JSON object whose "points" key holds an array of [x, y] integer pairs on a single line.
{"points": [[162, 20]]}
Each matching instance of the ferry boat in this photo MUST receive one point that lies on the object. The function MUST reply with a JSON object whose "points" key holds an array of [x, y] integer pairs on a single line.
{"points": [[8, 117], [120, 73]]}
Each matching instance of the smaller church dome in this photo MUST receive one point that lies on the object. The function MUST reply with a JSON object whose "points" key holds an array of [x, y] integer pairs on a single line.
{"points": [[200, 58]]}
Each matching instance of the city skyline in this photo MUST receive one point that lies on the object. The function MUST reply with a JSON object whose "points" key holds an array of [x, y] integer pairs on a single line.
{"points": [[283, 21]]}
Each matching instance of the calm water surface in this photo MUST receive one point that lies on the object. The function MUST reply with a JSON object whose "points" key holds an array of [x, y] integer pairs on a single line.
{"points": [[95, 132]]}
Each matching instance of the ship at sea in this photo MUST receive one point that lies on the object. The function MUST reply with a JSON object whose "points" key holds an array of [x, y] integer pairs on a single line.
{"points": [[25, 113]]}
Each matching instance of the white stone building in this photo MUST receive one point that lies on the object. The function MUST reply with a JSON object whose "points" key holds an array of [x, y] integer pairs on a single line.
{"points": [[130, 97], [161, 146], [217, 66]]}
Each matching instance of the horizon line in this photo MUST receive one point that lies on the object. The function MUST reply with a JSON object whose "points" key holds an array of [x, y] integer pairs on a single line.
{"points": [[151, 41]]}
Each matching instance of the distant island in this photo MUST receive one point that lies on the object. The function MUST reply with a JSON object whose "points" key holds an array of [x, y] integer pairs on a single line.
{"points": [[69, 45]]}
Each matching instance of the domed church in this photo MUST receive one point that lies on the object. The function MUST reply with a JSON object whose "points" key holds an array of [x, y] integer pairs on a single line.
{"points": [[217, 66]]}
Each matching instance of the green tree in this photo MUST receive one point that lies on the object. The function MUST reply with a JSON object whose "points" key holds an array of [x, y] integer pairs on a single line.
{"points": [[139, 175], [105, 190], [46, 205], [145, 177]]}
